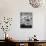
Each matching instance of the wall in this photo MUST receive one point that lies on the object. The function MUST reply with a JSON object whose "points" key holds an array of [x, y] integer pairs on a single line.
{"points": [[12, 8]]}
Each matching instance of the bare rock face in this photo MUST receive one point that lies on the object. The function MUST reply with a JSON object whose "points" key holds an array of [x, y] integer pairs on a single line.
{"points": [[35, 3]]}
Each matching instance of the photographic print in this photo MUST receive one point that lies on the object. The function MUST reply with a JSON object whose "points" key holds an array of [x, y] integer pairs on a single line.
{"points": [[26, 20]]}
